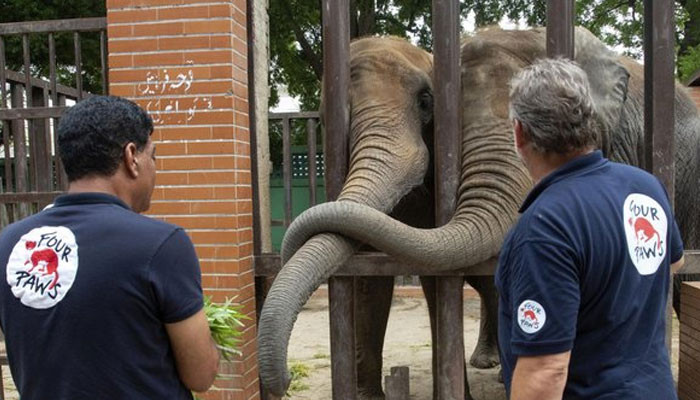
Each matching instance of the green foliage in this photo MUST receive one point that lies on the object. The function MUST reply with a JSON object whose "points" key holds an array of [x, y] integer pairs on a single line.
{"points": [[295, 30], [298, 371], [225, 322], [35, 10], [689, 63]]}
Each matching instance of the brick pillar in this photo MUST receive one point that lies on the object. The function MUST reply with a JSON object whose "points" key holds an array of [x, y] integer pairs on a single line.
{"points": [[185, 62]]}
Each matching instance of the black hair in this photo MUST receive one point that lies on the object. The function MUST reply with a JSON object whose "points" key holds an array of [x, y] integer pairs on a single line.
{"points": [[93, 133]]}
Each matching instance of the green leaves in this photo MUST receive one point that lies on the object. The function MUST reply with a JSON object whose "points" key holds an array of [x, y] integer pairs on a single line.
{"points": [[225, 323], [34, 10], [619, 23], [689, 63]]}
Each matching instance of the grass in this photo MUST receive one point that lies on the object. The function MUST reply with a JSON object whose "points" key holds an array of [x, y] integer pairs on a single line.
{"points": [[299, 371], [321, 356]]}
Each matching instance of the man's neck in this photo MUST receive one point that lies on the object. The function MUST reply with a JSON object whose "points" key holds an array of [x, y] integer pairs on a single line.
{"points": [[99, 184], [541, 165]]}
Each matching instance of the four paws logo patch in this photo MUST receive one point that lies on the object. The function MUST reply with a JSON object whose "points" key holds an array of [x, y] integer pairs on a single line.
{"points": [[531, 316], [645, 230], [42, 266]]}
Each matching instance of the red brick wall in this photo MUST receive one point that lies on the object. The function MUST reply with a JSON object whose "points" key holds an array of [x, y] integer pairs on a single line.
{"points": [[694, 93], [185, 61], [689, 357]]}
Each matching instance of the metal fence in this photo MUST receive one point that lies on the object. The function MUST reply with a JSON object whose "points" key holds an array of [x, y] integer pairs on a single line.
{"points": [[32, 175], [659, 91]]}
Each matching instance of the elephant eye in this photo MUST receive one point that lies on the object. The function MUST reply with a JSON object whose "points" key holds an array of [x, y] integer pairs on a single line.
{"points": [[425, 101]]}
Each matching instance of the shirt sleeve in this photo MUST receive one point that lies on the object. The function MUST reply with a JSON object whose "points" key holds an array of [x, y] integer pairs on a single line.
{"points": [[176, 279], [676, 245], [545, 298]]}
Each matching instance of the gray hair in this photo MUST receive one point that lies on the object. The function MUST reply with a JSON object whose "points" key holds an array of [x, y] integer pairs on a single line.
{"points": [[552, 100]]}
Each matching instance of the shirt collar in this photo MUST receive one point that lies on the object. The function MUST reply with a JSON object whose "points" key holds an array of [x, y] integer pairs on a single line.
{"points": [[71, 199], [572, 167]]}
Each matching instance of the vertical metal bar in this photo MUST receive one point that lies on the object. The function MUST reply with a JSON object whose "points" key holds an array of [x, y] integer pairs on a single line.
{"points": [[40, 146], [105, 68], [78, 65], [342, 328], [336, 48], [29, 93], [52, 70], [19, 145], [27, 69], [450, 340], [287, 171], [560, 28], [61, 177], [5, 124], [53, 87], [3, 77], [311, 156], [659, 94]]}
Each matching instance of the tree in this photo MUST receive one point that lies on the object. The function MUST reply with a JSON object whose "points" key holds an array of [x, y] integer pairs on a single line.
{"points": [[35, 10], [295, 31]]}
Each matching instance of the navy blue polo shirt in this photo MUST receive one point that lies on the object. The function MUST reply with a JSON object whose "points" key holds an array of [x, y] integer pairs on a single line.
{"points": [[587, 269], [86, 290]]}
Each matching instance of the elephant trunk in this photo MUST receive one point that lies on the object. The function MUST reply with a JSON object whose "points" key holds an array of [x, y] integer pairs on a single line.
{"points": [[320, 255], [494, 182], [300, 277]]}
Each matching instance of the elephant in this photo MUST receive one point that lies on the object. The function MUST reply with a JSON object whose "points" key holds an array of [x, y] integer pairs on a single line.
{"points": [[390, 171]]}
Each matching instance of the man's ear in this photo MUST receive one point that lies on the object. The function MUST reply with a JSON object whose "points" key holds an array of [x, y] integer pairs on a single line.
{"points": [[130, 163]]}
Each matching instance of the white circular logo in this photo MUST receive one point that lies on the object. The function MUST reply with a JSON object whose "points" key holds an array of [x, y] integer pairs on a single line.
{"points": [[645, 230], [531, 316], [42, 266]]}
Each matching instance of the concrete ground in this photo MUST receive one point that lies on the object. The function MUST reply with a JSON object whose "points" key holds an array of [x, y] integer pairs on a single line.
{"points": [[407, 343]]}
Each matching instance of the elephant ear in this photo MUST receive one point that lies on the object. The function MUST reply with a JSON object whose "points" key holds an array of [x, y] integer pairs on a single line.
{"points": [[608, 79]]}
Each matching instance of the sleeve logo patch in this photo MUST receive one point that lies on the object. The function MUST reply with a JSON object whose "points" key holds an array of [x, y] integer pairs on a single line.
{"points": [[531, 316], [645, 231], [42, 266]]}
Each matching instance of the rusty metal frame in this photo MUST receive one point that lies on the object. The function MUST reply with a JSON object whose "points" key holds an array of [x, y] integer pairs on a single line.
{"points": [[560, 42], [29, 175]]}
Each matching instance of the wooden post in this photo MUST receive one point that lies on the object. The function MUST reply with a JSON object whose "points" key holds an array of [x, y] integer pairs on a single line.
{"points": [[560, 28], [446, 50], [396, 385], [341, 290], [659, 94]]}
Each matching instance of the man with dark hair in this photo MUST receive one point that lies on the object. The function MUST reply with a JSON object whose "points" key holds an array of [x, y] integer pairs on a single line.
{"points": [[583, 277], [99, 301]]}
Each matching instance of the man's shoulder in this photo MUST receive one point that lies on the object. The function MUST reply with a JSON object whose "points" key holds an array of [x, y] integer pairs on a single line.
{"points": [[119, 222], [630, 170]]}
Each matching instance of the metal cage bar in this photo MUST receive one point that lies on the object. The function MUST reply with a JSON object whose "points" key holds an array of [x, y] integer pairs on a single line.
{"points": [[447, 117], [336, 49], [560, 28]]}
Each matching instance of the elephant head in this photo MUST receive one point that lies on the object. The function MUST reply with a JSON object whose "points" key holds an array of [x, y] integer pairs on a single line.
{"points": [[389, 108], [390, 116]]}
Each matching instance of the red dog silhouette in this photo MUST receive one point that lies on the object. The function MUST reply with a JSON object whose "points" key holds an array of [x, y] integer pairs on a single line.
{"points": [[50, 260], [645, 231], [531, 315]]}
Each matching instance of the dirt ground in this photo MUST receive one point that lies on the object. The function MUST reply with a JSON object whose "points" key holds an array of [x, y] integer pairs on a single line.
{"points": [[407, 343]]}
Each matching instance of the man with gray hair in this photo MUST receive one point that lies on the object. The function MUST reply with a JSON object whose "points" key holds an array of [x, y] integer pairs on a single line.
{"points": [[583, 277]]}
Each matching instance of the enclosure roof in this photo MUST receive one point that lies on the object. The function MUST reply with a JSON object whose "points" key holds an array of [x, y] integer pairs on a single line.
{"points": [[694, 79]]}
